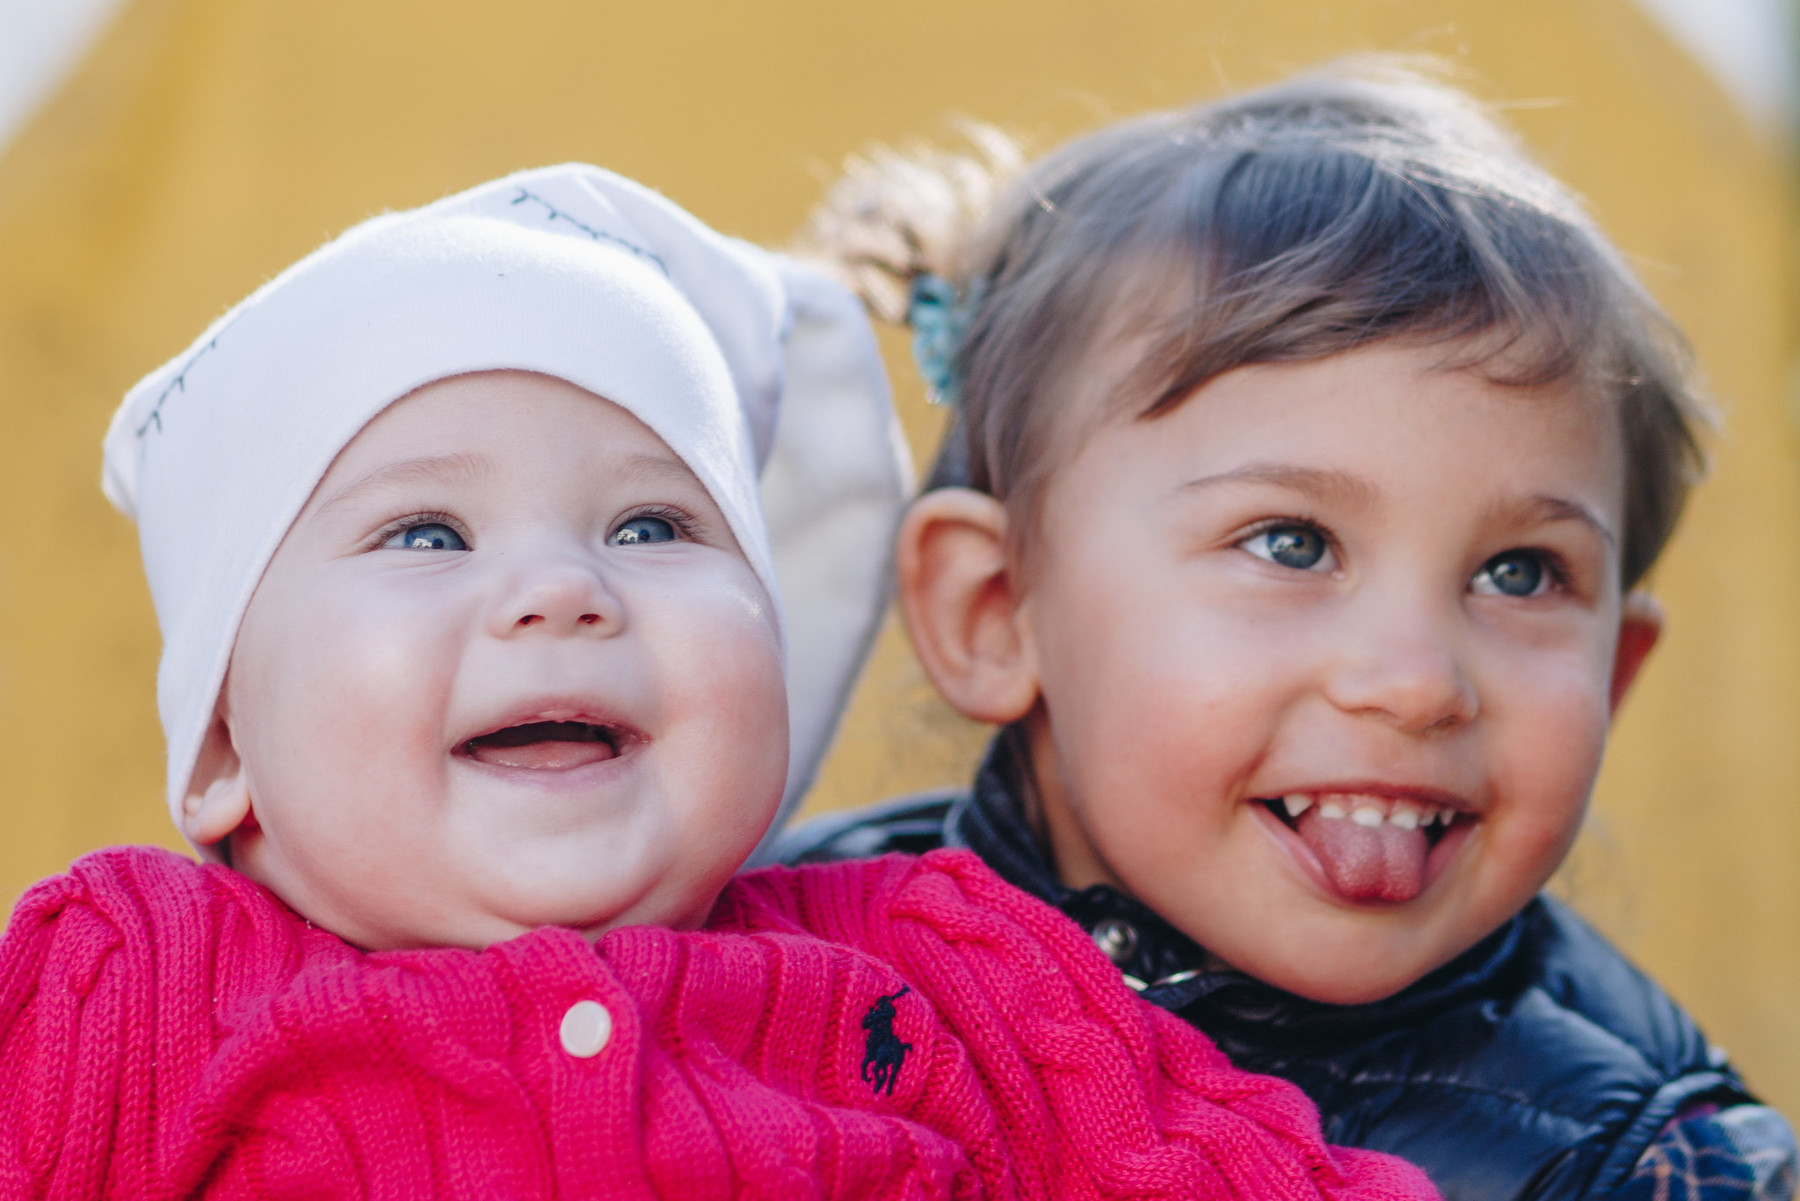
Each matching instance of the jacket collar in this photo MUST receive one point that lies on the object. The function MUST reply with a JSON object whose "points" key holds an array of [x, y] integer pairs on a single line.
{"points": [[1169, 968]]}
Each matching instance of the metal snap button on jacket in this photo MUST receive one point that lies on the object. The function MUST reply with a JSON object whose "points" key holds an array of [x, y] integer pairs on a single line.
{"points": [[1118, 940]]}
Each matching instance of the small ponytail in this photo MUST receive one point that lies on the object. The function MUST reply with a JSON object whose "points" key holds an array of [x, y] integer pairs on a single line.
{"points": [[894, 216]]}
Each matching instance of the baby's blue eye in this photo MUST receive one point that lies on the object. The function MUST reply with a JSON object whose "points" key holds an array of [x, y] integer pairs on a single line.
{"points": [[1298, 546], [644, 529], [1512, 573], [427, 535]]}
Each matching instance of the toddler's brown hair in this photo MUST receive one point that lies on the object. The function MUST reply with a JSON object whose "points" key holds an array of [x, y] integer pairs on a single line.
{"points": [[1361, 203]]}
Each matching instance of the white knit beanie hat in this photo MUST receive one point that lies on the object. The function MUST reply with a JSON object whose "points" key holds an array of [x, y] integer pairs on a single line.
{"points": [[761, 374]]}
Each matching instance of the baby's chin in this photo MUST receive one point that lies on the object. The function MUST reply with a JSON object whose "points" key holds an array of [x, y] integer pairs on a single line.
{"points": [[592, 896], [415, 910], [474, 927]]}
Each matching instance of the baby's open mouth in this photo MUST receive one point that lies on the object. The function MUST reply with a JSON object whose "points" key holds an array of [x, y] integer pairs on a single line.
{"points": [[548, 745], [1372, 848]]}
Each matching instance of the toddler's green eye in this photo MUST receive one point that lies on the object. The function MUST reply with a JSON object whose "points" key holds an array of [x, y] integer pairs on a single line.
{"points": [[644, 529], [1298, 546], [1512, 573], [427, 535]]}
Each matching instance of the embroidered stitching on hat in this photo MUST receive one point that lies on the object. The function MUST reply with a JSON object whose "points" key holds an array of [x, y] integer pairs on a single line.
{"points": [[599, 235], [180, 381], [884, 1052]]}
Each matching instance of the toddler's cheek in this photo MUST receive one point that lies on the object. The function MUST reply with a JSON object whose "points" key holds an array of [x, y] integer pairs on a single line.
{"points": [[1551, 768], [1530, 842]]}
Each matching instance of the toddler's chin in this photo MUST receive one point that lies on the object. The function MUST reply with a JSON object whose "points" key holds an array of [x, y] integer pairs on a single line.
{"points": [[1336, 966], [1343, 989], [1358, 979]]}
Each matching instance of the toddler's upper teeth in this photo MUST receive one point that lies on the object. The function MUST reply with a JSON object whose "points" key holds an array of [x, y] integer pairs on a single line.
{"points": [[1406, 815]]}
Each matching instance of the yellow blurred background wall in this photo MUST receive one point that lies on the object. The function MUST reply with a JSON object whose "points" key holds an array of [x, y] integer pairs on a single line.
{"points": [[206, 143]]}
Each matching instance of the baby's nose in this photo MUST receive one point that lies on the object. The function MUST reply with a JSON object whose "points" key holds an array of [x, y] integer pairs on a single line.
{"points": [[556, 595]]}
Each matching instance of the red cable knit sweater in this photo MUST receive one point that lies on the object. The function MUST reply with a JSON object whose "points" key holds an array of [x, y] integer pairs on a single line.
{"points": [[893, 1028]]}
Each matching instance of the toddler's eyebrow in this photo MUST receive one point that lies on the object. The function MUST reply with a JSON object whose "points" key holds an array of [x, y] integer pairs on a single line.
{"points": [[432, 469], [1329, 486], [1343, 488], [1543, 509]]}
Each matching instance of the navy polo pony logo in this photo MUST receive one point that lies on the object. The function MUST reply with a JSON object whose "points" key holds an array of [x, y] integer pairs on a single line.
{"points": [[884, 1053]]}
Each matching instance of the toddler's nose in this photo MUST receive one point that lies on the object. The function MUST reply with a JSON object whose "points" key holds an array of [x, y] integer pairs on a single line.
{"points": [[1409, 674], [556, 595]]}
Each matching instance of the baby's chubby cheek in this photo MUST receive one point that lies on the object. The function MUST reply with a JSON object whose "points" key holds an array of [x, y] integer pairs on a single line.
{"points": [[335, 694], [723, 714]]}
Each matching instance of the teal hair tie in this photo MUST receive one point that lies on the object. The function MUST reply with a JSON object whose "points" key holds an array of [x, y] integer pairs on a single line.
{"points": [[938, 323]]}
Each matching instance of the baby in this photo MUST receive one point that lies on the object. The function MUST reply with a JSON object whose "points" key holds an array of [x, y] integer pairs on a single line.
{"points": [[1310, 449], [473, 683]]}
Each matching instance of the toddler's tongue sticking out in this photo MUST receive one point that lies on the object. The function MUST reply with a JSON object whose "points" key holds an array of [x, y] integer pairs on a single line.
{"points": [[1372, 849]]}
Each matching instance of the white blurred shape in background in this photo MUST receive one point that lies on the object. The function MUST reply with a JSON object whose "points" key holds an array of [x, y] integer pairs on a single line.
{"points": [[1748, 45], [41, 41]]}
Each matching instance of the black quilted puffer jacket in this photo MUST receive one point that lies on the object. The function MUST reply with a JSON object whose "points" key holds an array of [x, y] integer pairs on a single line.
{"points": [[1539, 1064]]}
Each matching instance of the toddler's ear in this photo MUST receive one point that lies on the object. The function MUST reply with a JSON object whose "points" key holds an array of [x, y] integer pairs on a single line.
{"points": [[1640, 625], [961, 604], [218, 797]]}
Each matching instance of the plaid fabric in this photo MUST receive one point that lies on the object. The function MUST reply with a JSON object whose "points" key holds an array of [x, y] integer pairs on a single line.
{"points": [[1741, 1153]]}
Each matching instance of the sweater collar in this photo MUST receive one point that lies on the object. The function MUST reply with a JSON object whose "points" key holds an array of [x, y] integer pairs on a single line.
{"points": [[1169, 968]]}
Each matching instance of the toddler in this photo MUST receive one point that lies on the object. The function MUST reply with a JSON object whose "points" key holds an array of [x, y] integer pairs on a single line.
{"points": [[474, 691], [1309, 449]]}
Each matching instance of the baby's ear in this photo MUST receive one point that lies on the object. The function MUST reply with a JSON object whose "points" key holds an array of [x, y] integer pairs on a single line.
{"points": [[218, 797], [1640, 625], [961, 604]]}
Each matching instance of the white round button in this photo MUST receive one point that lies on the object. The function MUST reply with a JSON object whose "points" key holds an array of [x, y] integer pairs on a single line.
{"points": [[586, 1029]]}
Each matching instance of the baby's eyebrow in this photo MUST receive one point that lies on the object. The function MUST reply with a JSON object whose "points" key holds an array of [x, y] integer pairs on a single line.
{"points": [[647, 467], [431, 469], [1326, 485]]}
